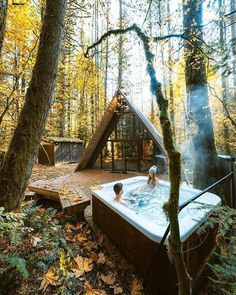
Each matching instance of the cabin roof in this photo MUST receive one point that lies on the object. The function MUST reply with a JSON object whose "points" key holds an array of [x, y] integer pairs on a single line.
{"points": [[110, 119]]}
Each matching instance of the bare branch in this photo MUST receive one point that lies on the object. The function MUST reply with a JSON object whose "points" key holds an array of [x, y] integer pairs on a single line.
{"points": [[233, 122], [9, 99], [138, 31]]}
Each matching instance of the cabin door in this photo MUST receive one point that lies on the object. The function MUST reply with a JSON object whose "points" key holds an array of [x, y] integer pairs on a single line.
{"points": [[126, 156]]}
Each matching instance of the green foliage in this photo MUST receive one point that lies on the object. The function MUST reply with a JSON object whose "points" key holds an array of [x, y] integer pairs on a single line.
{"points": [[37, 232], [223, 216], [65, 263], [70, 286], [223, 272], [11, 221], [14, 262]]}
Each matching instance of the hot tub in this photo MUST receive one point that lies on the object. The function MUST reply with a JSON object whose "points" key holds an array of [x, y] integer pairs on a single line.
{"points": [[137, 234]]}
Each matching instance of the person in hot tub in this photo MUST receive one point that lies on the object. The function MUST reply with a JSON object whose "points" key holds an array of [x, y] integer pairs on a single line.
{"points": [[118, 189], [152, 176]]}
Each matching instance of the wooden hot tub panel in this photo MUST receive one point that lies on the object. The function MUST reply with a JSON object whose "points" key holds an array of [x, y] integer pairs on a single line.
{"points": [[141, 251]]}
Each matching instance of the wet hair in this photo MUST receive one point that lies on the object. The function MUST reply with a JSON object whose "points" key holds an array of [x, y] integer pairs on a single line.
{"points": [[118, 187]]}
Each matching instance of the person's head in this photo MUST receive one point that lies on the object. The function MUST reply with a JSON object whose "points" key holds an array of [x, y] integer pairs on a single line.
{"points": [[152, 173], [118, 188]]}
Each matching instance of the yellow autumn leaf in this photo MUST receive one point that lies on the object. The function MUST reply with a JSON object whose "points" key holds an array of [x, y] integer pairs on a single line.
{"points": [[81, 238], [77, 199], [96, 187], [65, 191], [90, 291], [70, 227], [81, 266], [109, 279], [49, 278], [64, 263], [137, 287], [59, 106]]}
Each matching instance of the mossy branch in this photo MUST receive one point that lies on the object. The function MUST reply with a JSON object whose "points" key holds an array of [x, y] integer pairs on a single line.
{"points": [[136, 29], [172, 206]]}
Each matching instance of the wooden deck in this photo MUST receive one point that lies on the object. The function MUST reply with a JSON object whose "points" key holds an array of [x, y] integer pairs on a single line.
{"points": [[73, 191]]}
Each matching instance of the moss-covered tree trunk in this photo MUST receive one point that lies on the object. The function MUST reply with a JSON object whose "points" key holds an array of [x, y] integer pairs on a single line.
{"points": [[20, 157], [3, 16], [172, 206], [199, 113]]}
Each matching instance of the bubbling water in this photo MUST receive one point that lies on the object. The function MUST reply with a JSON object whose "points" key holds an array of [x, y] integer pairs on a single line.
{"points": [[147, 201]]}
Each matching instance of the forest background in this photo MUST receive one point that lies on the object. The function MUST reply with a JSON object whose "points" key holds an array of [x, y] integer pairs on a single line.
{"points": [[85, 86]]}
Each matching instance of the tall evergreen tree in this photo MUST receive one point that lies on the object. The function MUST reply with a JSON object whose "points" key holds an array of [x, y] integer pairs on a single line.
{"points": [[199, 114], [233, 42], [224, 80]]}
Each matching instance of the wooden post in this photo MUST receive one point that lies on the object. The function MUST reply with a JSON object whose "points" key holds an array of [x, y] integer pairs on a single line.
{"points": [[112, 156], [227, 165], [125, 162], [139, 155], [101, 161]]}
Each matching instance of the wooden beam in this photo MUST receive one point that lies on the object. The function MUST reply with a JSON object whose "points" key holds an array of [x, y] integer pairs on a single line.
{"points": [[50, 194]]}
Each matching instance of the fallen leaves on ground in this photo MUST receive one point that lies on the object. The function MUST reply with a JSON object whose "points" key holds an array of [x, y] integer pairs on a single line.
{"points": [[70, 227], [96, 187], [81, 265], [81, 238], [71, 239], [90, 245], [35, 240], [117, 290], [96, 258], [50, 278], [137, 287], [65, 191], [110, 263], [99, 258], [109, 279], [90, 291], [77, 199]]}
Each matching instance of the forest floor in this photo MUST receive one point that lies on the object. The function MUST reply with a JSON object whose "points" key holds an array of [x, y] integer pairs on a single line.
{"points": [[46, 252]]}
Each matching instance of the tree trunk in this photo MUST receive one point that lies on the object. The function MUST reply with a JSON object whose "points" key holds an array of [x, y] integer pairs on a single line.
{"points": [[233, 46], [3, 16], [170, 73], [61, 91], [120, 49], [199, 113], [106, 58], [62, 118], [20, 157], [224, 80]]}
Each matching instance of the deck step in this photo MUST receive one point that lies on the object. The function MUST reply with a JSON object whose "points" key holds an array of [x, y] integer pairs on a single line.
{"points": [[74, 202], [73, 199]]}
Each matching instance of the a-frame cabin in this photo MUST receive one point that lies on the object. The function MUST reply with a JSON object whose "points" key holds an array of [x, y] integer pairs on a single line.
{"points": [[125, 140]]}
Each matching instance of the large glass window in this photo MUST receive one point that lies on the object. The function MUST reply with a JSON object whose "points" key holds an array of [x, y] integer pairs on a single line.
{"points": [[129, 148]]}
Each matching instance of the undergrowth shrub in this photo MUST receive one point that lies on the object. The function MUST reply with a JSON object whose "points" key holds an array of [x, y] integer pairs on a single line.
{"points": [[223, 272]]}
